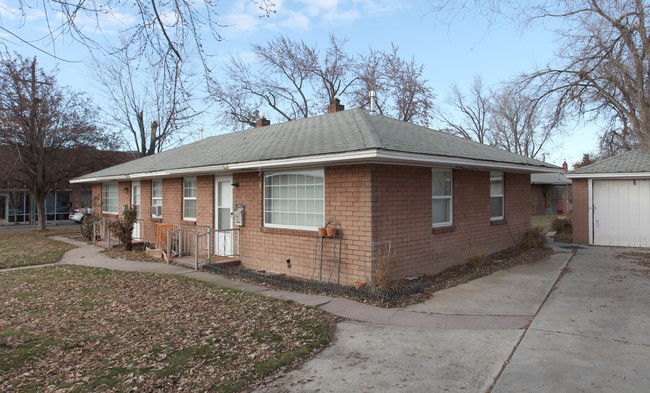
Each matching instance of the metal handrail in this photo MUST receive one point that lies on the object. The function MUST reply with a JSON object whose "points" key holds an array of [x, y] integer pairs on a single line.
{"points": [[103, 231], [183, 239], [203, 244]]}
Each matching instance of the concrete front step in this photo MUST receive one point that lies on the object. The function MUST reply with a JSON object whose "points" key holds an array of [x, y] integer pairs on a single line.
{"points": [[134, 243], [230, 262]]}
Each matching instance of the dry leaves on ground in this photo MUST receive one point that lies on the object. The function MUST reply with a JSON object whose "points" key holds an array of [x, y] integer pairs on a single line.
{"points": [[30, 248], [70, 328]]}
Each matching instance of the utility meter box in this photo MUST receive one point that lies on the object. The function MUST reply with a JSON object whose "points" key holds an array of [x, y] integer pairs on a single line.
{"points": [[239, 215]]}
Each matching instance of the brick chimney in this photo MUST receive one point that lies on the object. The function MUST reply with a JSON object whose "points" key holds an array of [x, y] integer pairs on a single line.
{"points": [[576, 166], [335, 106], [262, 121], [565, 166]]}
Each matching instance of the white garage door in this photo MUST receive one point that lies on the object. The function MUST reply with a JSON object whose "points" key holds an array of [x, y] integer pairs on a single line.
{"points": [[622, 212]]}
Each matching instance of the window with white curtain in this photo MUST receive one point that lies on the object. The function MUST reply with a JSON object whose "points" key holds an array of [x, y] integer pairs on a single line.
{"points": [[110, 198], [189, 199], [156, 198], [295, 199]]}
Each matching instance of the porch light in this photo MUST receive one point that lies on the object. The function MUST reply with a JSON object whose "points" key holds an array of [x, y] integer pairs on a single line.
{"points": [[235, 185], [126, 190]]}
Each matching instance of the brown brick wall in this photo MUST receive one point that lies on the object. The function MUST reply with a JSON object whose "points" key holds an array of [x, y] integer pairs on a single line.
{"points": [[347, 199], [372, 203], [172, 203], [402, 214], [580, 211]]}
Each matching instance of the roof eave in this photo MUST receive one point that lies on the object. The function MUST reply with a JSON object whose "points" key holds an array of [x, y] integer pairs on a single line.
{"points": [[361, 156], [609, 175]]}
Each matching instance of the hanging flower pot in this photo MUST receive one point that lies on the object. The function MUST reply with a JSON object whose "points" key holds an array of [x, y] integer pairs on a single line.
{"points": [[322, 231], [332, 231]]}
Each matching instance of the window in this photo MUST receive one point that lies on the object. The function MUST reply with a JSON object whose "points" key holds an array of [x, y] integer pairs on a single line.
{"points": [[110, 199], [156, 198], [295, 199], [189, 199], [496, 195], [441, 181]]}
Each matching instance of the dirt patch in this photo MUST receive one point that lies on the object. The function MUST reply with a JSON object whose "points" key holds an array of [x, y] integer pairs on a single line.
{"points": [[82, 329], [460, 274], [133, 255]]}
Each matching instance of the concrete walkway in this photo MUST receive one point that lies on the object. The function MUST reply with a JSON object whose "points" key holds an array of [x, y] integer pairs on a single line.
{"points": [[501, 304]]}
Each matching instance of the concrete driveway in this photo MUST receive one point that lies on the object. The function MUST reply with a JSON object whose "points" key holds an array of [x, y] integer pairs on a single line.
{"points": [[589, 332], [593, 332]]}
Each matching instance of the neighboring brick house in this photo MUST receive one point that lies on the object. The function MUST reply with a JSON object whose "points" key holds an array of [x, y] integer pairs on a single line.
{"points": [[17, 205], [611, 201], [436, 198], [550, 193]]}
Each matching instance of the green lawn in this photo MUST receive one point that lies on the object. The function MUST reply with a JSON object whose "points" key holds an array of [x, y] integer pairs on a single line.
{"points": [[82, 329], [542, 220], [31, 248]]}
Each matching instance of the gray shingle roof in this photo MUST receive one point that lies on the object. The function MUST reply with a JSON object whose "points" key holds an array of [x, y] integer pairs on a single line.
{"points": [[346, 131], [634, 161], [549, 178]]}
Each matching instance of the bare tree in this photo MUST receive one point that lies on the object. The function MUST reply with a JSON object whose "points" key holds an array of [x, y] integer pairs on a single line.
{"points": [[49, 132], [293, 80], [290, 79], [150, 104], [602, 66], [402, 91], [165, 27], [520, 123], [473, 110]]}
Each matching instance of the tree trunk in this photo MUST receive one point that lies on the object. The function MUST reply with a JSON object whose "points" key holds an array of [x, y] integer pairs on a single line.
{"points": [[40, 211]]}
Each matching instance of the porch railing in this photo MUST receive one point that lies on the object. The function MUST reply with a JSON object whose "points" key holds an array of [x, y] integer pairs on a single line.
{"points": [[222, 243], [182, 240], [101, 231]]}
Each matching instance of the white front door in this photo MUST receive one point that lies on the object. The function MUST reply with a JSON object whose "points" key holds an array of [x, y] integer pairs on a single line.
{"points": [[135, 202], [223, 215], [621, 212]]}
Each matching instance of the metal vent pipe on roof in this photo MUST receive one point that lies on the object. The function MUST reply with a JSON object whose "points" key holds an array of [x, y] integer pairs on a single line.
{"points": [[373, 102]]}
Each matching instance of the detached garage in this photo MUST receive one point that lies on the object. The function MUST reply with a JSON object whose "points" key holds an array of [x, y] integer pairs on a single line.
{"points": [[611, 201]]}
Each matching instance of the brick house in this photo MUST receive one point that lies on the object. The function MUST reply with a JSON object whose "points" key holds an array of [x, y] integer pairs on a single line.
{"points": [[550, 193], [611, 201], [436, 198], [16, 203]]}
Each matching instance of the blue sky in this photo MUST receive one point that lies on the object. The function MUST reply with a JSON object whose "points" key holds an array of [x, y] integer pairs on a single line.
{"points": [[451, 53]]}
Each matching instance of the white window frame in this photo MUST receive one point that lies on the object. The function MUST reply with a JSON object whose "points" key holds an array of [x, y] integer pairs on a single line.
{"points": [[306, 172], [114, 189], [449, 198], [156, 200], [496, 175], [189, 198]]}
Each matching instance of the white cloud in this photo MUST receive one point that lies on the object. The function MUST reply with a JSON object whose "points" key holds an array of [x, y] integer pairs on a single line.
{"points": [[239, 23], [295, 21]]}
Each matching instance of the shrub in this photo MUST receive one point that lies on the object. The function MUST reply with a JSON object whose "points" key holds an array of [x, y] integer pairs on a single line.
{"points": [[476, 260], [89, 219], [384, 259], [122, 228], [534, 238]]}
